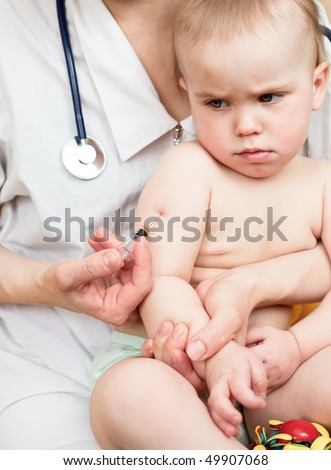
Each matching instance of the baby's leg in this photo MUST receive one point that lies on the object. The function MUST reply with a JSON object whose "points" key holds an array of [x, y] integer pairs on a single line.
{"points": [[305, 396], [144, 404]]}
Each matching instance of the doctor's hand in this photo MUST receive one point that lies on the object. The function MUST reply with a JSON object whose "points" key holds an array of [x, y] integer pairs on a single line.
{"points": [[229, 300], [101, 285], [168, 346]]}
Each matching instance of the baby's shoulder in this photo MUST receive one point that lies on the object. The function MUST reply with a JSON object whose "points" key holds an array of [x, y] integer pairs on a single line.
{"points": [[314, 162], [190, 150], [190, 156], [313, 167]]}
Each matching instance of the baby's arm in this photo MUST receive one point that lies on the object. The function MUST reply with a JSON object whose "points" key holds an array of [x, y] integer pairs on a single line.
{"points": [[177, 196], [179, 193]]}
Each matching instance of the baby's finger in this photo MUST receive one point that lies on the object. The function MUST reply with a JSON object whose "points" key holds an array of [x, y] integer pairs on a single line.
{"points": [[259, 377], [241, 389], [227, 428], [222, 410], [255, 335]]}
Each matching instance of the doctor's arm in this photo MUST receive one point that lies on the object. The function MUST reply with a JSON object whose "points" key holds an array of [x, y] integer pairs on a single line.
{"points": [[301, 277], [308, 336], [86, 286], [313, 333]]}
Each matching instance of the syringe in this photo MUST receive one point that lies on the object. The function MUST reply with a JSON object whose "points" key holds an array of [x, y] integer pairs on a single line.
{"points": [[126, 248]]}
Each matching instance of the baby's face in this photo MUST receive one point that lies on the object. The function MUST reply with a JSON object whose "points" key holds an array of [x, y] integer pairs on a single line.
{"points": [[251, 99]]}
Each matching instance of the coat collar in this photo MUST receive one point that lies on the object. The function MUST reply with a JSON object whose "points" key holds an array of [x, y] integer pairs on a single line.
{"points": [[133, 109]]}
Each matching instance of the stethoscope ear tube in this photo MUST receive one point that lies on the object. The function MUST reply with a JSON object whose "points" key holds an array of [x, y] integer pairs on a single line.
{"points": [[327, 32], [62, 19]]}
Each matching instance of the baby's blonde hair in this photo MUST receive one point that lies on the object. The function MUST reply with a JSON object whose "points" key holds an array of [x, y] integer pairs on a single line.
{"points": [[201, 20]]}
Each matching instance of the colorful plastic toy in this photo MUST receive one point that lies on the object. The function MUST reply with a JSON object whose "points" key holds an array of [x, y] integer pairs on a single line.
{"points": [[296, 434]]}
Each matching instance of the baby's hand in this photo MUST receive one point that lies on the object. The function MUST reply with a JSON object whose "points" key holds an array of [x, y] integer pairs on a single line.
{"points": [[279, 352], [234, 374]]}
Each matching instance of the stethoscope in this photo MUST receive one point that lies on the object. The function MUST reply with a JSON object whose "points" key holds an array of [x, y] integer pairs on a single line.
{"points": [[83, 156]]}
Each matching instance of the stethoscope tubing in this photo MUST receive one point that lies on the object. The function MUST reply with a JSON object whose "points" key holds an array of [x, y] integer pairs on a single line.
{"points": [[62, 19], [327, 32]]}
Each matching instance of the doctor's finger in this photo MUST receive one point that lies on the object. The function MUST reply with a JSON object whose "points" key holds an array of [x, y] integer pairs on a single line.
{"points": [[141, 265], [169, 347], [129, 295], [73, 274], [103, 239], [147, 348], [216, 334], [161, 340], [182, 364], [155, 347]]}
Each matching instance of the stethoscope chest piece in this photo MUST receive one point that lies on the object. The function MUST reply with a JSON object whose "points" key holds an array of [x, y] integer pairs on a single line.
{"points": [[85, 159]]}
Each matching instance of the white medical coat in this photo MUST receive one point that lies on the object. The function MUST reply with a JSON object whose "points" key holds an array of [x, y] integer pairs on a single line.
{"points": [[122, 111]]}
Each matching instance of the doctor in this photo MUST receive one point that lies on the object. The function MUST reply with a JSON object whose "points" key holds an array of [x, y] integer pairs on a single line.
{"points": [[57, 300]]}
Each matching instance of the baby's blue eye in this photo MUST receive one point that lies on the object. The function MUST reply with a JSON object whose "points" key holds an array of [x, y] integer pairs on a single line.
{"points": [[269, 97], [217, 104]]}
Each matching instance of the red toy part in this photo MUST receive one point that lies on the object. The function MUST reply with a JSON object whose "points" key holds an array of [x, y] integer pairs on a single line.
{"points": [[300, 430]]}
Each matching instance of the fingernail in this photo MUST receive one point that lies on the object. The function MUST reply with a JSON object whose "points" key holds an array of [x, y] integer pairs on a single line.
{"points": [[111, 259], [164, 330], [196, 350], [178, 331]]}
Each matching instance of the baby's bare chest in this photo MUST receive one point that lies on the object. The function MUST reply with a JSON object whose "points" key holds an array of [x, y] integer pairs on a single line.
{"points": [[251, 222]]}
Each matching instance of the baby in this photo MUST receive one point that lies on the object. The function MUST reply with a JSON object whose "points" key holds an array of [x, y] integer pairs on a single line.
{"points": [[254, 71]]}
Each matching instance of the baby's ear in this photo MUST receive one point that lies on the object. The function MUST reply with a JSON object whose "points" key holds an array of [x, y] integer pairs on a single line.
{"points": [[320, 82], [182, 83]]}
